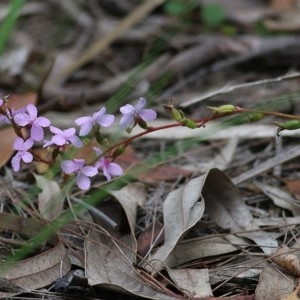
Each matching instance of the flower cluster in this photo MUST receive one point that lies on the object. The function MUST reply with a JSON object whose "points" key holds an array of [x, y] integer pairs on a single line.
{"points": [[89, 126]]}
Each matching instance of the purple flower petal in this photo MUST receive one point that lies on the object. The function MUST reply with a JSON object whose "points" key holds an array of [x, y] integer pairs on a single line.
{"points": [[42, 121], [83, 181], [141, 103], [22, 119], [27, 157], [115, 169], [55, 130], [98, 151], [79, 163], [15, 162], [131, 114], [68, 166], [36, 133], [148, 114], [89, 171], [18, 143], [58, 140], [106, 120], [126, 121], [32, 111], [82, 120], [85, 128], [28, 144], [69, 132], [127, 109], [76, 141], [106, 174]]}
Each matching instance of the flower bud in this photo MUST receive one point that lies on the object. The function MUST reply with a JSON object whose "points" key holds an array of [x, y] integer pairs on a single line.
{"points": [[255, 117], [177, 115], [190, 124], [223, 109], [120, 150], [142, 123], [128, 130], [288, 125]]}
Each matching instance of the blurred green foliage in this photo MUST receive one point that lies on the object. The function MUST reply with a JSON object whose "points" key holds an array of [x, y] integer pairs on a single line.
{"points": [[212, 15], [179, 8], [9, 22]]}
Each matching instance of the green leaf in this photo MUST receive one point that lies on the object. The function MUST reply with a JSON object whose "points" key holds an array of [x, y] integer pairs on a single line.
{"points": [[212, 15], [178, 7]]}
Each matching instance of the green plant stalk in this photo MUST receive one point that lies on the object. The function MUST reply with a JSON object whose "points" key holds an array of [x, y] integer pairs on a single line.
{"points": [[9, 22]]}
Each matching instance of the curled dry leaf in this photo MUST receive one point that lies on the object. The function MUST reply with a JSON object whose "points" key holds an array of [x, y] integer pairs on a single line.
{"points": [[294, 187], [182, 209], [227, 209], [7, 138], [273, 285], [110, 259], [110, 256], [193, 280], [36, 271], [287, 260], [50, 199], [7, 135]]}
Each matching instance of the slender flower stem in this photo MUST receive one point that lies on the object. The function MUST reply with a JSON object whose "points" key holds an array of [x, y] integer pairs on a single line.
{"points": [[201, 123], [269, 113]]}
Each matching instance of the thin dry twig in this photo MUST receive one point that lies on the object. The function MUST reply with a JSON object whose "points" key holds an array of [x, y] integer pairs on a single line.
{"points": [[228, 89], [137, 15]]}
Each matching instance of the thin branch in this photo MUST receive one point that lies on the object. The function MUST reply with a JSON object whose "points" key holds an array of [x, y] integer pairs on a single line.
{"points": [[228, 89]]}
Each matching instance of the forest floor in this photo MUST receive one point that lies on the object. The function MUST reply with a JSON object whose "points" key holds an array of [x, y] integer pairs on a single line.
{"points": [[207, 205]]}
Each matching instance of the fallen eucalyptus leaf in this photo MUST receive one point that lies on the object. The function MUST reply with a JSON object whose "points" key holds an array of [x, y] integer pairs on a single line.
{"points": [[39, 270], [182, 209], [227, 209], [50, 199]]}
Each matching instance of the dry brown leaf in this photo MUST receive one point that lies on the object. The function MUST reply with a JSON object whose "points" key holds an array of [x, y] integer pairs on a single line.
{"points": [[17, 101], [50, 199], [7, 135], [287, 260], [280, 197], [294, 187], [131, 159], [7, 138], [115, 257], [273, 285], [40, 270], [182, 209], [151, 236], [226, 208], [192, 249], [196, 281], [282, 5], [160, 173]]}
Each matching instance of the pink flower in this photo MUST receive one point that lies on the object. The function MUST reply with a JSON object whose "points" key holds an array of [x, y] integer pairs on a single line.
{"points": [[132, 113], [30, 118], [83, 172], [87, 123], [63, 137], [23, 154], [10, 114], [108, 167]]}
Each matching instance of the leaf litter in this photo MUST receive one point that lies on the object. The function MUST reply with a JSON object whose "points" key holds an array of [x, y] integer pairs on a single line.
{"points": [[207, 237]]}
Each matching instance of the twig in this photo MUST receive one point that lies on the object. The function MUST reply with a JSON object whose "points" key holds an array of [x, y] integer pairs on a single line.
{"points": [[137, 15], [229, 89], [270, 163]]}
